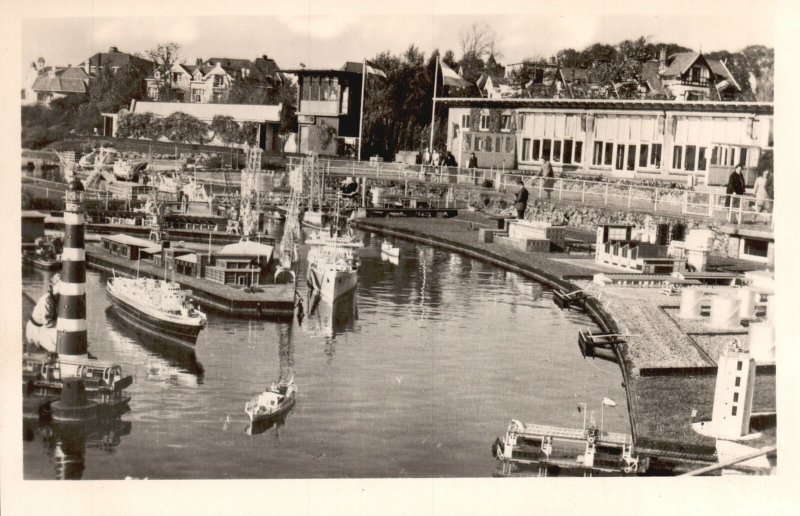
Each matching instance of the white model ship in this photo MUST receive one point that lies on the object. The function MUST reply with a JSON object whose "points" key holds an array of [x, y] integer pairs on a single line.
{"points": [[157, 307], [332, 264]]}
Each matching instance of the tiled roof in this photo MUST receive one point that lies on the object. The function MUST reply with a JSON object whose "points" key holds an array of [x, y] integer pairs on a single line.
{"points": [[113, 59], [721, 72], [70, 80], [228, 63], [650, 75], [679, 63], [354, 67]]}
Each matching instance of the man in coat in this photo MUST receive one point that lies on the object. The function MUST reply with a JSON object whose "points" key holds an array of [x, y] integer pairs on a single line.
{"points": [[521, 200], [735, 185]]}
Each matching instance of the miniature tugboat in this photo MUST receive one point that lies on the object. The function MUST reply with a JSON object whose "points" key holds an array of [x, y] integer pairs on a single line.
{"points": [[389, 251], [332, 263], [157, 306], [46, 255], [276, 401]]}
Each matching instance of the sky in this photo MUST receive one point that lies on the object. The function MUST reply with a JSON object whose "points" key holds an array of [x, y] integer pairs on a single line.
{"points": [[324, 35]]}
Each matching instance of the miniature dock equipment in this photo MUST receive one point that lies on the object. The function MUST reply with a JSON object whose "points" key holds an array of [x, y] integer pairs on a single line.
{"points": [[590, 450]]}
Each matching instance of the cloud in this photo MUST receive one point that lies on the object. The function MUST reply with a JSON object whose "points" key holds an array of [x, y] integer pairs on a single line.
{"points": [[324, 27], [116, 31]]}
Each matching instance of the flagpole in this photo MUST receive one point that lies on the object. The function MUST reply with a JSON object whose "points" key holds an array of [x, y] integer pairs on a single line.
{"points": [[361, 116], [433, 111]]}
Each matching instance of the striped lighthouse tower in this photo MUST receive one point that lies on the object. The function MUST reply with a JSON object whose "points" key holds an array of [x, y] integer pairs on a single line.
{"points": [[71, 325]]}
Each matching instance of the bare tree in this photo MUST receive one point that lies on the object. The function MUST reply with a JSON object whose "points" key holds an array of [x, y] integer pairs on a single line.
{"points": [[164, 56], [477, 41]]}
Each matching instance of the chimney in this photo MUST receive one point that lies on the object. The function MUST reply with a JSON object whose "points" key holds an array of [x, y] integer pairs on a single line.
{"points": [[662, 59], [40, 63], [198, 61], [265, 57], [113, 50]]}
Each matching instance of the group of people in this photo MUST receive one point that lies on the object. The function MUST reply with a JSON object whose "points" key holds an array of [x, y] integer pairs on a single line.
{"points": [[763, 189], [437, 159]]}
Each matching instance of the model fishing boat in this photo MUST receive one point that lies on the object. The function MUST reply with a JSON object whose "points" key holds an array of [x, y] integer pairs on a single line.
{"points": [[45, 255], [387, 249], [276, 401], [158, 307]]}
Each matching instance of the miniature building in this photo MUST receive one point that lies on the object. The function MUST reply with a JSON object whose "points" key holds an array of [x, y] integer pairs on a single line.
{"points": [[733, 395], [616, 248], [242, 263], [531, 236], [125, 246]]}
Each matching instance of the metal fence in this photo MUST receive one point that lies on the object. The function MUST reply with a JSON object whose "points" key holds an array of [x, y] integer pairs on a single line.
{"points": [[615, 195]]}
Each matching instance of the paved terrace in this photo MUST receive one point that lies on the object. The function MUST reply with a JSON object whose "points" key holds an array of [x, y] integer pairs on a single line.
{"points": [[660, 405]]}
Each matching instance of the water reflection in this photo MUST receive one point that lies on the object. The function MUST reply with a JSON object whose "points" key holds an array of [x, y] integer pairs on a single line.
{"points": [[327, 320], [286, 364], [66, 443], [178, 360]]}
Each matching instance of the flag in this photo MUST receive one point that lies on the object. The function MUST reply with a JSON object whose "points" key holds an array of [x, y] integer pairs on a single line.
{"points": [[451, 78], [374, 70], [608, 402]]}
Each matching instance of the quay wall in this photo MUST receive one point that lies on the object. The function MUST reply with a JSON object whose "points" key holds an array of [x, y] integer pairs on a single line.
{"points": [[275, 307], [648, 393]]}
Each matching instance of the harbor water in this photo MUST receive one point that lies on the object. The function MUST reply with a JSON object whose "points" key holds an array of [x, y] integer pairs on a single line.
{"points": [[415, 375]]}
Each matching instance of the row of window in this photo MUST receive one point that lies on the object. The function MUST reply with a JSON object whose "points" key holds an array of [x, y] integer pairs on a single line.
{"points": [[505, 122], [488, 143], [556, 150]]}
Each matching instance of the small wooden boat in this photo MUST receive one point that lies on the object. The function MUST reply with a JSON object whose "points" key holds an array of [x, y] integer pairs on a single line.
{"points": [[276, 401], [388, 250]]}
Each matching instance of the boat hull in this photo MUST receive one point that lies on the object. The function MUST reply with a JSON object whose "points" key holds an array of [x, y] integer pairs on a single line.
{"points": [[280, 411], [394, 252], [332, 284], [166, 330], [46, 265]]}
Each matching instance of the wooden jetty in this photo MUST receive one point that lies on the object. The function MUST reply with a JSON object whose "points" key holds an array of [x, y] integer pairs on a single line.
{"points": [[590, 450], [576, 298], [599, 345]]}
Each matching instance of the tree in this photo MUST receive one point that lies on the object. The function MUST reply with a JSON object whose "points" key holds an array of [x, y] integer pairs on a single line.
{"points": [[248, 90], [635, 50], [112, 91], [164, 55], [180, 127], [477, 40]]}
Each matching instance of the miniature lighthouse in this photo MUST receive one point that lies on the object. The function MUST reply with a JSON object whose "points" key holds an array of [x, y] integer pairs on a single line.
{"points": [[733, 395], [71, 325]]}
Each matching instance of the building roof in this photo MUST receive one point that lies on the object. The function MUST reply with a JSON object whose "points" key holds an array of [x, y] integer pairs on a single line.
{"points": [[722, 72], [351, 66], [239, 112], [68, 80], [651, 77], [188, 258], [247, 248], [758, 108], [677, 64], [115, 58], [121, 238]]}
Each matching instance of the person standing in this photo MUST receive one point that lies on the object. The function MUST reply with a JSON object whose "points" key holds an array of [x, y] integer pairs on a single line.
{"points": [[521, 200], [426, 157], [435, 158], [473, 161], [735, 185], [760, 191], [549, 178]]}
